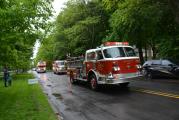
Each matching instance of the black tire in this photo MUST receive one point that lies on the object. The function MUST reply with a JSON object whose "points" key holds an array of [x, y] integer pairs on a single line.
{"points": [[93, 83], [150, 76], [144, 72], [147, 74]]}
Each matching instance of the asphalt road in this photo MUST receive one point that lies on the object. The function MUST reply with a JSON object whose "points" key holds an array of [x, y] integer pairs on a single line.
{"points": [[143, 100]]}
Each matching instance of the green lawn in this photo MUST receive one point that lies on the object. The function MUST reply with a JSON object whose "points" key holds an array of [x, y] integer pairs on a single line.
{"points": [[24, 102]]}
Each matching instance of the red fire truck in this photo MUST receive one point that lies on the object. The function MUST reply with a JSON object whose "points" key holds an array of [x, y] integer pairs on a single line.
{"points": [[111, 63], [41, 67], [58, 66]]}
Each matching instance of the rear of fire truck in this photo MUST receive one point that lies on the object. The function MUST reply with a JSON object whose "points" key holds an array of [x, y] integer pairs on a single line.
{"points": [[76, 69], [111, 63]]}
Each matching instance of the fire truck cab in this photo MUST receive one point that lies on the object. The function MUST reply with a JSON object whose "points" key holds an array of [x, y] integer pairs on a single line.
{"points": [[58, 66], [41, 67], [111, 63]]}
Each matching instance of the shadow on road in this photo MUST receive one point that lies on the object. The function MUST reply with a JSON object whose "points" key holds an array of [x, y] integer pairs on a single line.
{"points": [[106, 89]]}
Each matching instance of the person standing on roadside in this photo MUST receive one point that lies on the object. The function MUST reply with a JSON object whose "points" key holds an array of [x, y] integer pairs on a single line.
{"points": [[6, 76]]}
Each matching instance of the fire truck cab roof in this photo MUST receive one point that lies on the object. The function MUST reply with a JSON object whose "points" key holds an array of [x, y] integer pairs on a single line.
{"points": [[111, 50], [109, 45]]}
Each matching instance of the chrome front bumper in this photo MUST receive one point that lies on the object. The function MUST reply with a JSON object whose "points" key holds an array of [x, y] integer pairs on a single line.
{"points": [[120, 78], [41, 71]]}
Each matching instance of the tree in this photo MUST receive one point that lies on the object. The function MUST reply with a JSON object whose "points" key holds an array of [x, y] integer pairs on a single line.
{"points": [[142, 23], [79, 28], [21, 21], [85, 24]]}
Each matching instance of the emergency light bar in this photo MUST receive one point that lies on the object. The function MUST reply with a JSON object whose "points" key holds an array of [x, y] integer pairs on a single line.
{"points": [[116, 44], [41, 64]]}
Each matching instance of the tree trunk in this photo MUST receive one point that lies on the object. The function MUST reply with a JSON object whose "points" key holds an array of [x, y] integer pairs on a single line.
{"points": [[154, 52], [146, 56], [175, 8], [141, 55]]}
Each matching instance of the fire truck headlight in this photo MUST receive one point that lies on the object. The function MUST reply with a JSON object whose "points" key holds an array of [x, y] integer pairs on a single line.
{"points": [[110, 76], [138, 66], [116, 68], [102, 78]]}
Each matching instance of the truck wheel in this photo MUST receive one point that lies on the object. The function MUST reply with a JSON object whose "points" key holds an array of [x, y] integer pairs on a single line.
{"points": [[150, 75], [93, 82], [72, 81]]}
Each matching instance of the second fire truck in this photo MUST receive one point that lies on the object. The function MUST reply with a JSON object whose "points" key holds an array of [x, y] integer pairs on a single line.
{"points": [[58, 66], [112, 63]]}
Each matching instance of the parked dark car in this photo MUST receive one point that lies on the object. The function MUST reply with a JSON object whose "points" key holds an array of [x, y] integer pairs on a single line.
{"points": [[161, 68]]}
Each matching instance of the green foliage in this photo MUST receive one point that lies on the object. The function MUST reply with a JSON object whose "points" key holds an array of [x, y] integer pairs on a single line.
{"points": [[85, 24], [136, 20], [21, 21], [111, 5], [169, 48], [142, 23], [77, 29], [46, 52]]}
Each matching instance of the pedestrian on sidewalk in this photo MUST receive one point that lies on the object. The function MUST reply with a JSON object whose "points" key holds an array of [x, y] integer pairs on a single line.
{"points": [[7, 80]]}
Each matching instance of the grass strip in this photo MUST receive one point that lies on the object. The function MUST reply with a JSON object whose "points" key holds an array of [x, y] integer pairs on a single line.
{"points": [[24, 102]]}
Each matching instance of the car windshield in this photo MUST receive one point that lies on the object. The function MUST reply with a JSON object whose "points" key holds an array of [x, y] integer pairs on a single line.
{"points": [[41, 62], [115, 52], [147, 63]]}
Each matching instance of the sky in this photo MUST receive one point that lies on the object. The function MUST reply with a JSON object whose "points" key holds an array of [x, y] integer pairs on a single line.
{"points": [[57, 5]]}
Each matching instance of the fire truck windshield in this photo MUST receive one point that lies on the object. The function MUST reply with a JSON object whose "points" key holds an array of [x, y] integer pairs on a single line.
{"points": [[41, 62], [115, 52], [129, 51], [60, 63]]}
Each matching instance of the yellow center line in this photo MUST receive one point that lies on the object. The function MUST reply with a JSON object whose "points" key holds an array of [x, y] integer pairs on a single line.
{"points": [[164, 81], [170, 95]]}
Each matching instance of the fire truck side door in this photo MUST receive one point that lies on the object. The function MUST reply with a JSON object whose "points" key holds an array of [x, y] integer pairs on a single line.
{"points": [[90, 61], [83, 70], [99, 63]]}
